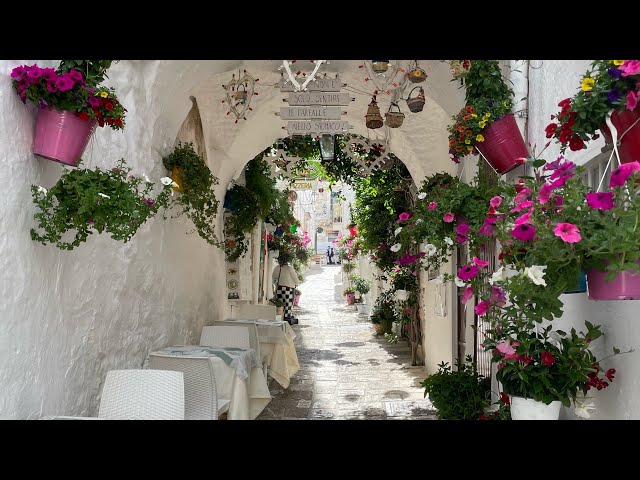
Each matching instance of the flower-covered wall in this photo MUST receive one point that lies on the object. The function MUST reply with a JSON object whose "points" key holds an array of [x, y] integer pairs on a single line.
{"points": [[68, 317], [550, 82]]}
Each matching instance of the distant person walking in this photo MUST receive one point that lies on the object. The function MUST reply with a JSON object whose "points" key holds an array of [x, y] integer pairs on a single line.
{"points": [[286, 280], [329, 256]]}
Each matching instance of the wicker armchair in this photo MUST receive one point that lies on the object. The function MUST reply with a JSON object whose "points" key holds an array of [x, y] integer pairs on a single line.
{"points": [[200, 393], [143, 395], [255, 312], [212, 336]]}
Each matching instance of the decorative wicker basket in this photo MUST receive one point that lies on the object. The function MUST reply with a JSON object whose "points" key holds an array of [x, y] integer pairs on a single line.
{"points": [[416, 103], [417, 75], [394, 119], [380, 66], [373, 117]]}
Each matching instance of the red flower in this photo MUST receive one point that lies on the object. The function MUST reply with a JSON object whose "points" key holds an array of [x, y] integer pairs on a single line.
{"points": [[108, 106], [610, 374], [452, 143], [548, 359], [119, 122], [458, 149], [468, 133], [101, 122], [468, 109], [576, 143], [566, 101], [102, 101], [504, 398], [84, 116], [565, 135], [110, 121], [551, 129]]}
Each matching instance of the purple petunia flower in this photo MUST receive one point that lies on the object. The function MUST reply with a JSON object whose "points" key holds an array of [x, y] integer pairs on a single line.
{"points": [[18, 72], [52, 87], [149, 202], [50, 74], [614, 72], [76, 76], [613, 95], [34, 74], [93, 101], [64, 84]]}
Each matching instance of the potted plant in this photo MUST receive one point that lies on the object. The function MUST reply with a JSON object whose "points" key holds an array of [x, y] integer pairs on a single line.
{"points": [[348, 267], [192, 177], [384, 312], [296, 298], [68, 110], [349, 292], [609, 88], [459, 394], [486, 124], [85, 201], [361, 285]]}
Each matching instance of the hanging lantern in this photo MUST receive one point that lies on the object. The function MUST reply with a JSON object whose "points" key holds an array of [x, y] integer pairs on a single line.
{"points": [[416, 103], [380, 66], [373, 117]]}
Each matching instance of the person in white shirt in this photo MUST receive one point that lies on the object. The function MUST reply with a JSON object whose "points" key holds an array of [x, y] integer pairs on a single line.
{"points": [[286, 279]]}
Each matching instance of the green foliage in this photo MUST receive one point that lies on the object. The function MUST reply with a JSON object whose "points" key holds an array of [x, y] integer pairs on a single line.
{"points": [[85, 201], [485, 81], [197, 200], [384, 310], [348, 267], [348, 290], [457, 395], [360, 284], [94, 71]]}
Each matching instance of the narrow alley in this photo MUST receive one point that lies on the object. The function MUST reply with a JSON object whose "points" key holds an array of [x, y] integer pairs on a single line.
{"points": [[346, 371]]}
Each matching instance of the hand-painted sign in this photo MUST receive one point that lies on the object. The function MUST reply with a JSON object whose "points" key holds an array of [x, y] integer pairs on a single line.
{"points": [[319, 98], [306, 113], [317, 126]]}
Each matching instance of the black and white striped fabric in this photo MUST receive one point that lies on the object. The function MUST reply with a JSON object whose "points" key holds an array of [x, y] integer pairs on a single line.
{"points": [[286, 294]]}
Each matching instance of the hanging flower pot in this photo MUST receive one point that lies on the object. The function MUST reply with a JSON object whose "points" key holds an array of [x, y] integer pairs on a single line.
{"points": [[394, 119], [529, 409], [629, 145], [580, 285], [61, 136], [373, 117], [416, 104], [625, 286], [380, 66], [503, 145], [417, 74]]}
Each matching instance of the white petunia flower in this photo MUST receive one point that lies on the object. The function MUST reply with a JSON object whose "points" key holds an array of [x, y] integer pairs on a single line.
{"points": [[536, 274], [174, 184], [419, 220], [459, 282], [42, 189], [578, 208], [397, 230], [448, 241], [430, 249], [166, 181], [396, 247], [422, 195], [103, 195], [146, 179], [498, 276]]}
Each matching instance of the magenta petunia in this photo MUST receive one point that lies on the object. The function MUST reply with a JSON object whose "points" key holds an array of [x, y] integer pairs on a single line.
{"points": [[524, 194], [52, 87], [601, 201], [487, 229], [433, 205], [553, 165], [566, 168], [524, 232], [522, 206], [406, 259], [76, 76], [632, 100], [18, 72], [482, 307], [50, 74], [630, 67], [467, 295], [64, 84], [461, 238], [448, 217], [559, 201], [479, 262], [544, 195], [34, 74], [403, 217], [495, 201], [567, 232], [93, 101], [524, 218], [622, 173], [462, 229], [498, 296], [559, 182], [467, 272]]}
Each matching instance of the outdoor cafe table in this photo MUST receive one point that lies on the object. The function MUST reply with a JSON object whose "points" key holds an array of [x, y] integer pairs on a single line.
{"points": [[238, 373], [276, 348]]}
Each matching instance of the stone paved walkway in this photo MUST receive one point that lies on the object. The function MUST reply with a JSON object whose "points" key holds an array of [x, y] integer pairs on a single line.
{"points": [[346, 372]]}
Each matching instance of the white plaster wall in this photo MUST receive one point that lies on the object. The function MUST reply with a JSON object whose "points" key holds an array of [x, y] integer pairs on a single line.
{"points": [[553, 81]]}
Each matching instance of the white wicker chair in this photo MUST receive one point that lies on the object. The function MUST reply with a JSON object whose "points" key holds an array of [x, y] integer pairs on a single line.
{"points": [[208, 336], [200, 390], [255, 312], [236, 335], [142, 395]]}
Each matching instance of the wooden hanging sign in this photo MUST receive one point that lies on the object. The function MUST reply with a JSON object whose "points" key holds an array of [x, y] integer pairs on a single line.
{"points": [[318, 98], [306, 113], [319, 84], [317, 126]]}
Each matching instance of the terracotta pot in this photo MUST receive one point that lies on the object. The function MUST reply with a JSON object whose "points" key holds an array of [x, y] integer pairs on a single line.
{"points": [[61, 136], [629, 147], [503, 145]]}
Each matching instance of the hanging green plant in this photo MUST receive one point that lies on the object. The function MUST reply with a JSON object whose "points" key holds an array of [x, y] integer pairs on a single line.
{"points": [[196, 183], [86, 201]]}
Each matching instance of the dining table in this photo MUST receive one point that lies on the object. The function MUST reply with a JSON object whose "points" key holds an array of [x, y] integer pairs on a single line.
{"points": [[238, 375], [277, 347]]}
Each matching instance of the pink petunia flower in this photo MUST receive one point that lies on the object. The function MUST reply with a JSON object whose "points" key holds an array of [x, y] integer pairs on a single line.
{"points": [[487, 229], [448, 217], [482, 307], [553, 165], [479, 262], [404, 216], [461, 238], [498, 296], [506, 347], [524, 232], [18, 72], [565, 168], [468, 294], [545, 193], [64, 84], [433, 205], [524, 194], [495, 201], [622, 173], [601, 201], [567, 232], [630, 67], [462, 229], [632, 100], [524, 218], [559, 182], [467, 272], [522, 206]]}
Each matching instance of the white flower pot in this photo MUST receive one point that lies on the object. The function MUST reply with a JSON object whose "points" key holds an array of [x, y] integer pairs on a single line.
{"points": [[529, 409], [363, 308], [275, 253], [402, 295]]}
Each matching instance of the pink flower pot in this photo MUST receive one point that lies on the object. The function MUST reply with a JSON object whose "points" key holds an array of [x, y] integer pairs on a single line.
{"points": [[629, 147], [626, 286], [61, 136], [351, 298], [503, 145], [296, 300]]}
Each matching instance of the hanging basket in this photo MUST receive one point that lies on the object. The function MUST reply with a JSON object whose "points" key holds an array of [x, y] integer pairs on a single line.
{"points": [[629, 145], [394, 119], [373, 119], [379, 66], [417, 74], [416, 104], [580, 285], [625, 286], [61, 136], [503, 145]]}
